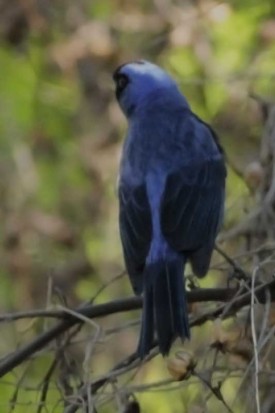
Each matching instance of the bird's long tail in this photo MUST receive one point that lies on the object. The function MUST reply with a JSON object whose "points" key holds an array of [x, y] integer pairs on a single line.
{"points": [[164, 305]]}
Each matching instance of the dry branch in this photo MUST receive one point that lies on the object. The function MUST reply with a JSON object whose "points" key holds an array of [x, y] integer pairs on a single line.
{"points": [[224, 310], [127, 304]]}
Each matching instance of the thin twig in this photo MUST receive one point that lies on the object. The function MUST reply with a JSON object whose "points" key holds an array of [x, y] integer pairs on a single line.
{"points": [[125, 305], [240, 301], [46, 382], [125, 365], [254, 339], [232, 262], [215, 390]]}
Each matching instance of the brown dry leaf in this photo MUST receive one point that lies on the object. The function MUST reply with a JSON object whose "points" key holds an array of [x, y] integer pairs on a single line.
{"points": [[181, 365], [253, 175], [222, 338], [241, 351], [232, 341]]}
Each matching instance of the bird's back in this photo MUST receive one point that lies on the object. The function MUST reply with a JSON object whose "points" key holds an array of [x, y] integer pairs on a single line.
{"points": [[166, 140]]}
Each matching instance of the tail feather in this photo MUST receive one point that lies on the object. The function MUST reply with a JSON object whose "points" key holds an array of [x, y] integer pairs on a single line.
{"points": [[147, 326], [165, 308]]}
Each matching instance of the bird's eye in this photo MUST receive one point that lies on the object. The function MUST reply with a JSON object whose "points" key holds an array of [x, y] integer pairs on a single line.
{"points": [[121, 82]]}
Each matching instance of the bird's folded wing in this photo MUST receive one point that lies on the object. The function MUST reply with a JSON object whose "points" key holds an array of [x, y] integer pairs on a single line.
{"points": [[192, 205], [135, 230]]}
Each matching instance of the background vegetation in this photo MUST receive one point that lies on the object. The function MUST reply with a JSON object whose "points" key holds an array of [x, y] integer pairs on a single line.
{"points": [[61, 134]]}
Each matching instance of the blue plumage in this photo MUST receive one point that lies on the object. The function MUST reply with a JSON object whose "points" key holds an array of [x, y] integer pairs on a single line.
{"points": [[171, 196]]}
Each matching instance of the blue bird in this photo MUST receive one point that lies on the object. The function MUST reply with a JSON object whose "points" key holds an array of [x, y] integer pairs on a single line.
{"points": [[171, 197]]}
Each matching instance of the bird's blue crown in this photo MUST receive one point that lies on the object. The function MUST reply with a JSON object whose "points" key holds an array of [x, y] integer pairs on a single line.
{"points": [[139, 82]]}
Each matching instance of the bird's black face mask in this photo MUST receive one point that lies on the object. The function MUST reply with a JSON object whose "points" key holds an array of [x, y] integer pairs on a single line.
{"points": [[121, 79], [121, 82]]}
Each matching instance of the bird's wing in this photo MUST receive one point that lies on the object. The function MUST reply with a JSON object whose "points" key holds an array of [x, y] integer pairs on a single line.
{"points": [[192, 205], [135, 231]]}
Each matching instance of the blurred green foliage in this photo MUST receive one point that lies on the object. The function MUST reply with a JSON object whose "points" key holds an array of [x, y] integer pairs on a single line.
{"points": [[60, 139]]}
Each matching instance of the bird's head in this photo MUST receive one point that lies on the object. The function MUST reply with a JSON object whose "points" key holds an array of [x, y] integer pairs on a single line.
{"points": [[138, 82]]}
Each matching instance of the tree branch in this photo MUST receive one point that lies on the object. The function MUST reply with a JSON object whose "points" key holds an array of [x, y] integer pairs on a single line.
{"points": [[223, 310], [124, 305]]}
